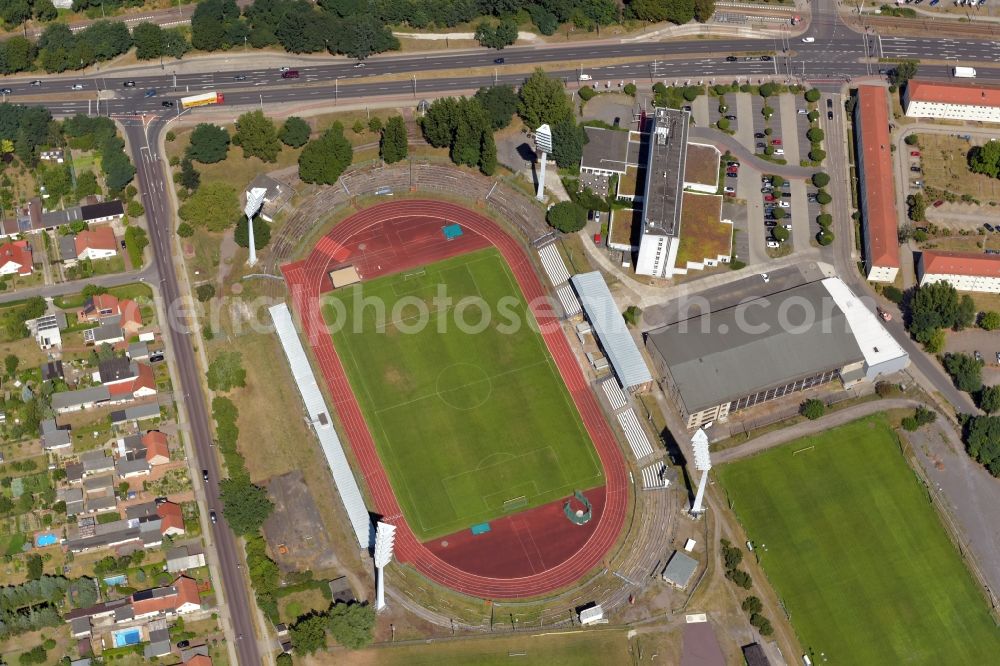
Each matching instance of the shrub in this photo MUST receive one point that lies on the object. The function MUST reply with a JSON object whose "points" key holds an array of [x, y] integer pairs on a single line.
{"points": [[185, 230], [812, 409], [911, 139], [812, 95], [629, 89], [989, 321], [587, 93], [567, 216], [823, 197], [205, 292], [820, 179]]}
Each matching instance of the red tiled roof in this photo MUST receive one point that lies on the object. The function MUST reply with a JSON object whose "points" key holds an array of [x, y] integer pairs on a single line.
{"points": [[881, 221], [144, 378], [952, 93], [129, 310], [198, 660], [18, 252], [95, 304], [156, 445], [100, 238], [184, 590], [170, 517], [961, 263]]}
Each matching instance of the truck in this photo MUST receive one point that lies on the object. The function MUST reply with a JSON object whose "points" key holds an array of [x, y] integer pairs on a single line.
{"points": [[203, 99], [964, 72]]}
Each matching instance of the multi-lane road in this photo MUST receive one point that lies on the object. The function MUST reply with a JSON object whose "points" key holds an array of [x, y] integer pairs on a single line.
{"points": [[838, 55]]}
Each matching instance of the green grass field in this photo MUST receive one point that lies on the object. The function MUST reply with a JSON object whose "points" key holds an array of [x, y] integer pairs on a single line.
{"points": [[466, 423], [857, 552]]}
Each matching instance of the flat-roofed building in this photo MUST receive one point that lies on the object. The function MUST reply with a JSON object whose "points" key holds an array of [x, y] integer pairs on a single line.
{"points": [[966, 271], [764, 348], [952, 101], [876, 191]]}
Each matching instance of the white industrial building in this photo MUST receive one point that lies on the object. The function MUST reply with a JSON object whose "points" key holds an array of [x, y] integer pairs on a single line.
{"points": [[952, 101], [661, 208], [767, 347], [966, 271]]}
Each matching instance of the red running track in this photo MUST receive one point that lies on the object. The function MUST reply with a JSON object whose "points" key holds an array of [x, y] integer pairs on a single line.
{"points": [[308, 279]]}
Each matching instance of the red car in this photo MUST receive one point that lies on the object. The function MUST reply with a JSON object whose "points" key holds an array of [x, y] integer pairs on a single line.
{"points": [[768, 197], [939, 203], [914, 153], [775, 142]]}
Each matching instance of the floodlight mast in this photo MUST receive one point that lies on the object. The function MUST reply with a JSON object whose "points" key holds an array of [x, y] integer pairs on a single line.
{"points": [[703, 463], [385, 541], [255, 199], [543, 145]]}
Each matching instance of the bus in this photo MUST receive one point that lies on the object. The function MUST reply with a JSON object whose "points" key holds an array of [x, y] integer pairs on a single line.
{"points": [[202, 100]]}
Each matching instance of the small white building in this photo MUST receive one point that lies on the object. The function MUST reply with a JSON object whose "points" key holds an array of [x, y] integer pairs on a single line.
{"points": [[966, 271], [952, 101]]}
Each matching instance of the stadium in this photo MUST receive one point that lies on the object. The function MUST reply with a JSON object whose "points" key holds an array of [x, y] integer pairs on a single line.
{"points": [[478, 438]]}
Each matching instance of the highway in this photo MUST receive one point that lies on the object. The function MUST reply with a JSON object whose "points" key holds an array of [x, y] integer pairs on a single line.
{"points": [[839, 55], [151, 179]]}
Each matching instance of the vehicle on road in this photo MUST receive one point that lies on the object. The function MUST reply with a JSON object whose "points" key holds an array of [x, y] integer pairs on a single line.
{"points": [[5, 91], [731, 58], [765, 277], [733, 164], [240, 77], [934, 2], [498, 61], [290, 74], [360, 65], [829, 103], [963, 72], [829, 115], [149, 93], [883, 314], [586, 77], [76, 86], [998, 357], [167, 104], [204, 475], [802, 112], [128, 84], [766, 58], [36, 82], [202, 100], [284, 69], [213, 517], [808, 40]]}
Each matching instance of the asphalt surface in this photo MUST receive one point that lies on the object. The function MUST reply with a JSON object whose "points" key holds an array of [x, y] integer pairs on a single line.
{"points": [[150, 176]]}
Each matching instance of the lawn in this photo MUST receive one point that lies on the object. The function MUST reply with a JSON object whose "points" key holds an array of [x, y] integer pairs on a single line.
{"points": [[858, 555], [945, 164], [465, 422]]}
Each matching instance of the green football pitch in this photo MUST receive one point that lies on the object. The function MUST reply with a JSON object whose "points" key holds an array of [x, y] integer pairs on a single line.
{"points": [[470, 424], [849, 539]]}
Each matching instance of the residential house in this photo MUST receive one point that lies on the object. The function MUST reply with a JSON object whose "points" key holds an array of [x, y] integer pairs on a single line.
{"points": [[96, 243], [129, 467], [74, 401], [114, 371], [177, 599], [74, 473], [52, 370], [54, 437], [73, 498], [171, 519], [201, 659], [96, 462], [15, 258], [108, 211], [150, 410], [67, 249], [138, 351], [48, 330], [159, 644], [183, 558], [105, 308]]}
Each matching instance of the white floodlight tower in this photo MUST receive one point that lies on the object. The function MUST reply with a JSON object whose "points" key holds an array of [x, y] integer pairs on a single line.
{"points": [[385, 540], [255, 199], [703, 463], [543, 145]]}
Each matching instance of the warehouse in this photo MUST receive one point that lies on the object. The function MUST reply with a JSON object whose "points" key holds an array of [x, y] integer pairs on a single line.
{"points": [[770, 346]]}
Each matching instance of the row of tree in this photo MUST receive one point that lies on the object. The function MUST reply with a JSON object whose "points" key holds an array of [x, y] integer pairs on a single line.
{"points": [[99, 133]]}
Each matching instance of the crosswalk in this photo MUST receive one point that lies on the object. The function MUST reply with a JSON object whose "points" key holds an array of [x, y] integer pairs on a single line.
{"points": [[636, 436]]}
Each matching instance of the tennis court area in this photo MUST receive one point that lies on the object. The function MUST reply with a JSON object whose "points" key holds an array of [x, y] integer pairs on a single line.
{"points": [[472, 421], [849, 539]]}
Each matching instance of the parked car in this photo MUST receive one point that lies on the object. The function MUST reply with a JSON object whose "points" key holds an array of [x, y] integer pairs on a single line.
{"points": [[914, 153], [766, 190], [811, 198], [779, 152], [732, 174], [802, 112], [998, 357], [184, 644], [786, 194], [988, 227], [729, 190], [784, 204], [731, 58], [979, 357], [776, 142], [759, 135], [769, 197], [938, 203], [761, 144], [730, 117], [883, 314], [770, 223], [772, 244], [915, 169]]}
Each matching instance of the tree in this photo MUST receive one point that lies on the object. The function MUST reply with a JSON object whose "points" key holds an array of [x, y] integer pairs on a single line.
{"points": [[823, 197], [205, 292], [703, 10], [752, 605], [149, 40], [136, 241], [812, 95], [226, 372], [185, 230], [500, 104], [496, 37], [815, 135], [36, 566], [188, 177], [295, 132], [214, 206], [989, 320], [780, 234], [567, 216], [209, 143], [938, 306], [812, 409], [351, 624], [393, 145], [966, 372], [10, 363], [820, 179], [911, 139], [982, 441], [45, 11], [985, 159], [261, 233], [989, 399], [902, 73], [541, 100], [916, 207], [309, 633], [245, 505], [817, 154], [324, 159], [632, 315], [487, 154], [630, 89], [135, 209], [256, 135], [568, 139], [86, 185]]}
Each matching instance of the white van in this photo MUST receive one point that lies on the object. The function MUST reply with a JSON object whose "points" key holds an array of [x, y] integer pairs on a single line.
{"points": [[808, 40], [586, 77]]}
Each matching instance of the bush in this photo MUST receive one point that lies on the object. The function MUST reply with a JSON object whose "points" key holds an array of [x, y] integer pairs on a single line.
{"points": [[723, 124], [780, 234], [823, 198], [632, 315], [205, 292], [629, 89], [185, 230], [820, 179], [587, 93], [989, 321], [741, 578], [815, 135], [911, 139], [567, 216], [966, 371], [989, 399], [817, 154], [752, 605], [893, 294], [812, 409], [812, 95]]}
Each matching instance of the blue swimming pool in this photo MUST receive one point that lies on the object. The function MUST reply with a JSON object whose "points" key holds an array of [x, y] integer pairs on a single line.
{"points": [[120, 579], [126, 637], [42, 540]]}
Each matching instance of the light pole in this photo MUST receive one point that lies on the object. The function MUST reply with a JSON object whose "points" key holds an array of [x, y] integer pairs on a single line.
{"points": [[543, 145], [414, 85], [255, 199], [385, 540], [703, 463]]}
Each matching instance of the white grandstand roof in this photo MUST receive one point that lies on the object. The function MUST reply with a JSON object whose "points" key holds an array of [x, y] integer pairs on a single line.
{"points": [[319, 415], [608, 324], [876, 343]]}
